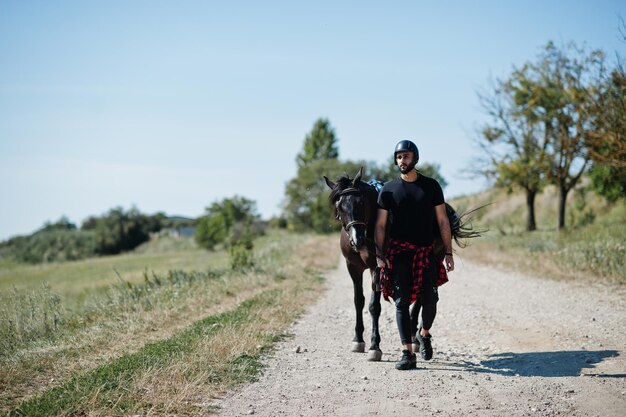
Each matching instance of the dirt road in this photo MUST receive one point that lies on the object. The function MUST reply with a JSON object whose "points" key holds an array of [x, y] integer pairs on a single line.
{"points": [[505, 345]]}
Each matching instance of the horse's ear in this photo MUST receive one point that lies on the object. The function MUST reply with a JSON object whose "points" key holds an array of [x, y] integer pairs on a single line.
{"points": [[356, 180], [329, 183]]}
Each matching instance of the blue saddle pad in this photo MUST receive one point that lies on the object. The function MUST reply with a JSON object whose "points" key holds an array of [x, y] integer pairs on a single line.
{"points": [[376, 184]]}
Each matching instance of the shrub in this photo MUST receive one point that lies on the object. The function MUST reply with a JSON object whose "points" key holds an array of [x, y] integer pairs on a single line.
{"points": [[241, 256]]}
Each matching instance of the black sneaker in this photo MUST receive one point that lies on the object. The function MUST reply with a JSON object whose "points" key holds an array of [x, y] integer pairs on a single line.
{"points": [[426, 349], [408, 361]]}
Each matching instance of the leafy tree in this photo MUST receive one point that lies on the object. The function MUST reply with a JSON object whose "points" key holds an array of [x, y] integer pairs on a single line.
{"points": [[210, 231], [608, 181], [544, 120], [62, 224], [121, 231], [568, 87], [306, 206], [608, 143], [306, 196], [227, 222], [516, 139], [319, 144]]}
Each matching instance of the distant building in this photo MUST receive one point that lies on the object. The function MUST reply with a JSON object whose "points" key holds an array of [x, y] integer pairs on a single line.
{"points": [[182, 231]]}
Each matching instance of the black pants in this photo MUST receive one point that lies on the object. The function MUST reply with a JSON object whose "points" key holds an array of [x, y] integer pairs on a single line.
{"points": [[427, 301]]}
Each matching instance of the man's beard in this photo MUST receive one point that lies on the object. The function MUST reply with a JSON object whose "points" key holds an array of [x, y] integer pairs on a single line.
{"points": [[408, 168]]}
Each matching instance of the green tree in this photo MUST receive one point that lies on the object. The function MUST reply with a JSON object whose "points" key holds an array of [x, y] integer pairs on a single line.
{"points": [[568, 87], [121, 231], [515, 140], [226, 222], [62, 224], [319, 144], [305, 207], [306, 196], [543, 121], [608, 143]]}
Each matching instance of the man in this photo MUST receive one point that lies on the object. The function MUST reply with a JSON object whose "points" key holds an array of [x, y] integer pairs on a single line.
{"points": [[409, 270]]}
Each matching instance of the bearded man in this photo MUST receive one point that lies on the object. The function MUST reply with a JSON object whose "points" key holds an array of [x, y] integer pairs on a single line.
{"points": [[408, 208]]}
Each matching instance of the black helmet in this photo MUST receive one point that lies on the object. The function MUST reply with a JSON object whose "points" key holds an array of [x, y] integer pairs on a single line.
{"points": [[406, 146]]}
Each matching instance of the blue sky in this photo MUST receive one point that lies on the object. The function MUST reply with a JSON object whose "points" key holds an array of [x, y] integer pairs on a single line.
{"points": [[170, 106]]}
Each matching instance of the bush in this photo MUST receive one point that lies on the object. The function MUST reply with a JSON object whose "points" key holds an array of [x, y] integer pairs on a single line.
{"points": [[121, 231], [241, 256], [116, 232], [227, 222], [52, 246]]}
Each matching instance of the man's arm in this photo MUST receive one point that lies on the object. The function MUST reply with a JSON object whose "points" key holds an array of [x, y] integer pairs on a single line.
{"points": [[379, 237], [446, 234]]}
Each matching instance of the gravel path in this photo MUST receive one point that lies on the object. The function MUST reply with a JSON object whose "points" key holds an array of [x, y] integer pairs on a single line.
{"points": [[505, 344]]}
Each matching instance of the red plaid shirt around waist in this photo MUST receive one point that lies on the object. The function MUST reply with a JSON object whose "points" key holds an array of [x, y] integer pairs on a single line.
{"points": [[421, 260]]}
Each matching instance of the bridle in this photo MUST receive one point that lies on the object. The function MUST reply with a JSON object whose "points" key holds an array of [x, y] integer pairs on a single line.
{"points": [[351, 190], [352, 223]]}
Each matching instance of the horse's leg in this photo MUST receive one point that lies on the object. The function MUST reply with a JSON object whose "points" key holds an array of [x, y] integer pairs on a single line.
{"points": [[415, 311], [375, 354], [356, 273]]}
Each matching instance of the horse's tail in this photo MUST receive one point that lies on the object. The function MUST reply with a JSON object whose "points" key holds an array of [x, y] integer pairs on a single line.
{"points": [[461, 225], [461, 228]]}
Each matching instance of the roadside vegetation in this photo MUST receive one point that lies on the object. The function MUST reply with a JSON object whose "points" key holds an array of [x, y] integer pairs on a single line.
{"points": [[592, 249], [166, 343], [115, 232]]}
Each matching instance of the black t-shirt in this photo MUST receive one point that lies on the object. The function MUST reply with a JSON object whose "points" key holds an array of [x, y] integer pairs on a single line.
{"points": [[411, 207]]}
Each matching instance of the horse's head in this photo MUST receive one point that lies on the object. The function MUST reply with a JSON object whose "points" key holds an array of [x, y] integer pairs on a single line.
{"points": [[353, 207]]}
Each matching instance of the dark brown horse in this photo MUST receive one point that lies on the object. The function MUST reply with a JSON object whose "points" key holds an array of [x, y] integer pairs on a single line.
{"points": [[355, 206]]}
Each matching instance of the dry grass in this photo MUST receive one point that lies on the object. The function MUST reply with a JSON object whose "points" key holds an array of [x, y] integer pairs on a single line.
{"points": [[38, 369], [590, 249]]}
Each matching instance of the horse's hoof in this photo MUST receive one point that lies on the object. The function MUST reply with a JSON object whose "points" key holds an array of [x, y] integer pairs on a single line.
{"points": [[358, 347], [375, 355]]}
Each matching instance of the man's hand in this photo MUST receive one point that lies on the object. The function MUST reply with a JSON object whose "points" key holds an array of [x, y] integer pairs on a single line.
{"points": [[382, 262], [449, 262]]}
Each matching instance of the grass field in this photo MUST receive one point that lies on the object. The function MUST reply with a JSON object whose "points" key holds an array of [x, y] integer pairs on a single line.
{"points": [[75, 278], [158, 343]]}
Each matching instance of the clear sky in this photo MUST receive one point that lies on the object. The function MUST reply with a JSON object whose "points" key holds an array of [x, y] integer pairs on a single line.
{"points": [[172, 105]]}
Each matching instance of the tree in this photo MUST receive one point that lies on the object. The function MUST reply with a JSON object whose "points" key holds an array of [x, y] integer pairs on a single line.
{"points": [[306, 204], [306, 196], [567, 89], [515, 140], [319, 144], [227, 222], [121, 231], [62, 224], [608, 144], [544, 120], [305, 207]]}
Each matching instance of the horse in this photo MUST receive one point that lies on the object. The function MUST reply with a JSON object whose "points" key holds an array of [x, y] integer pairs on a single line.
{"points": [[355, 206]]}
